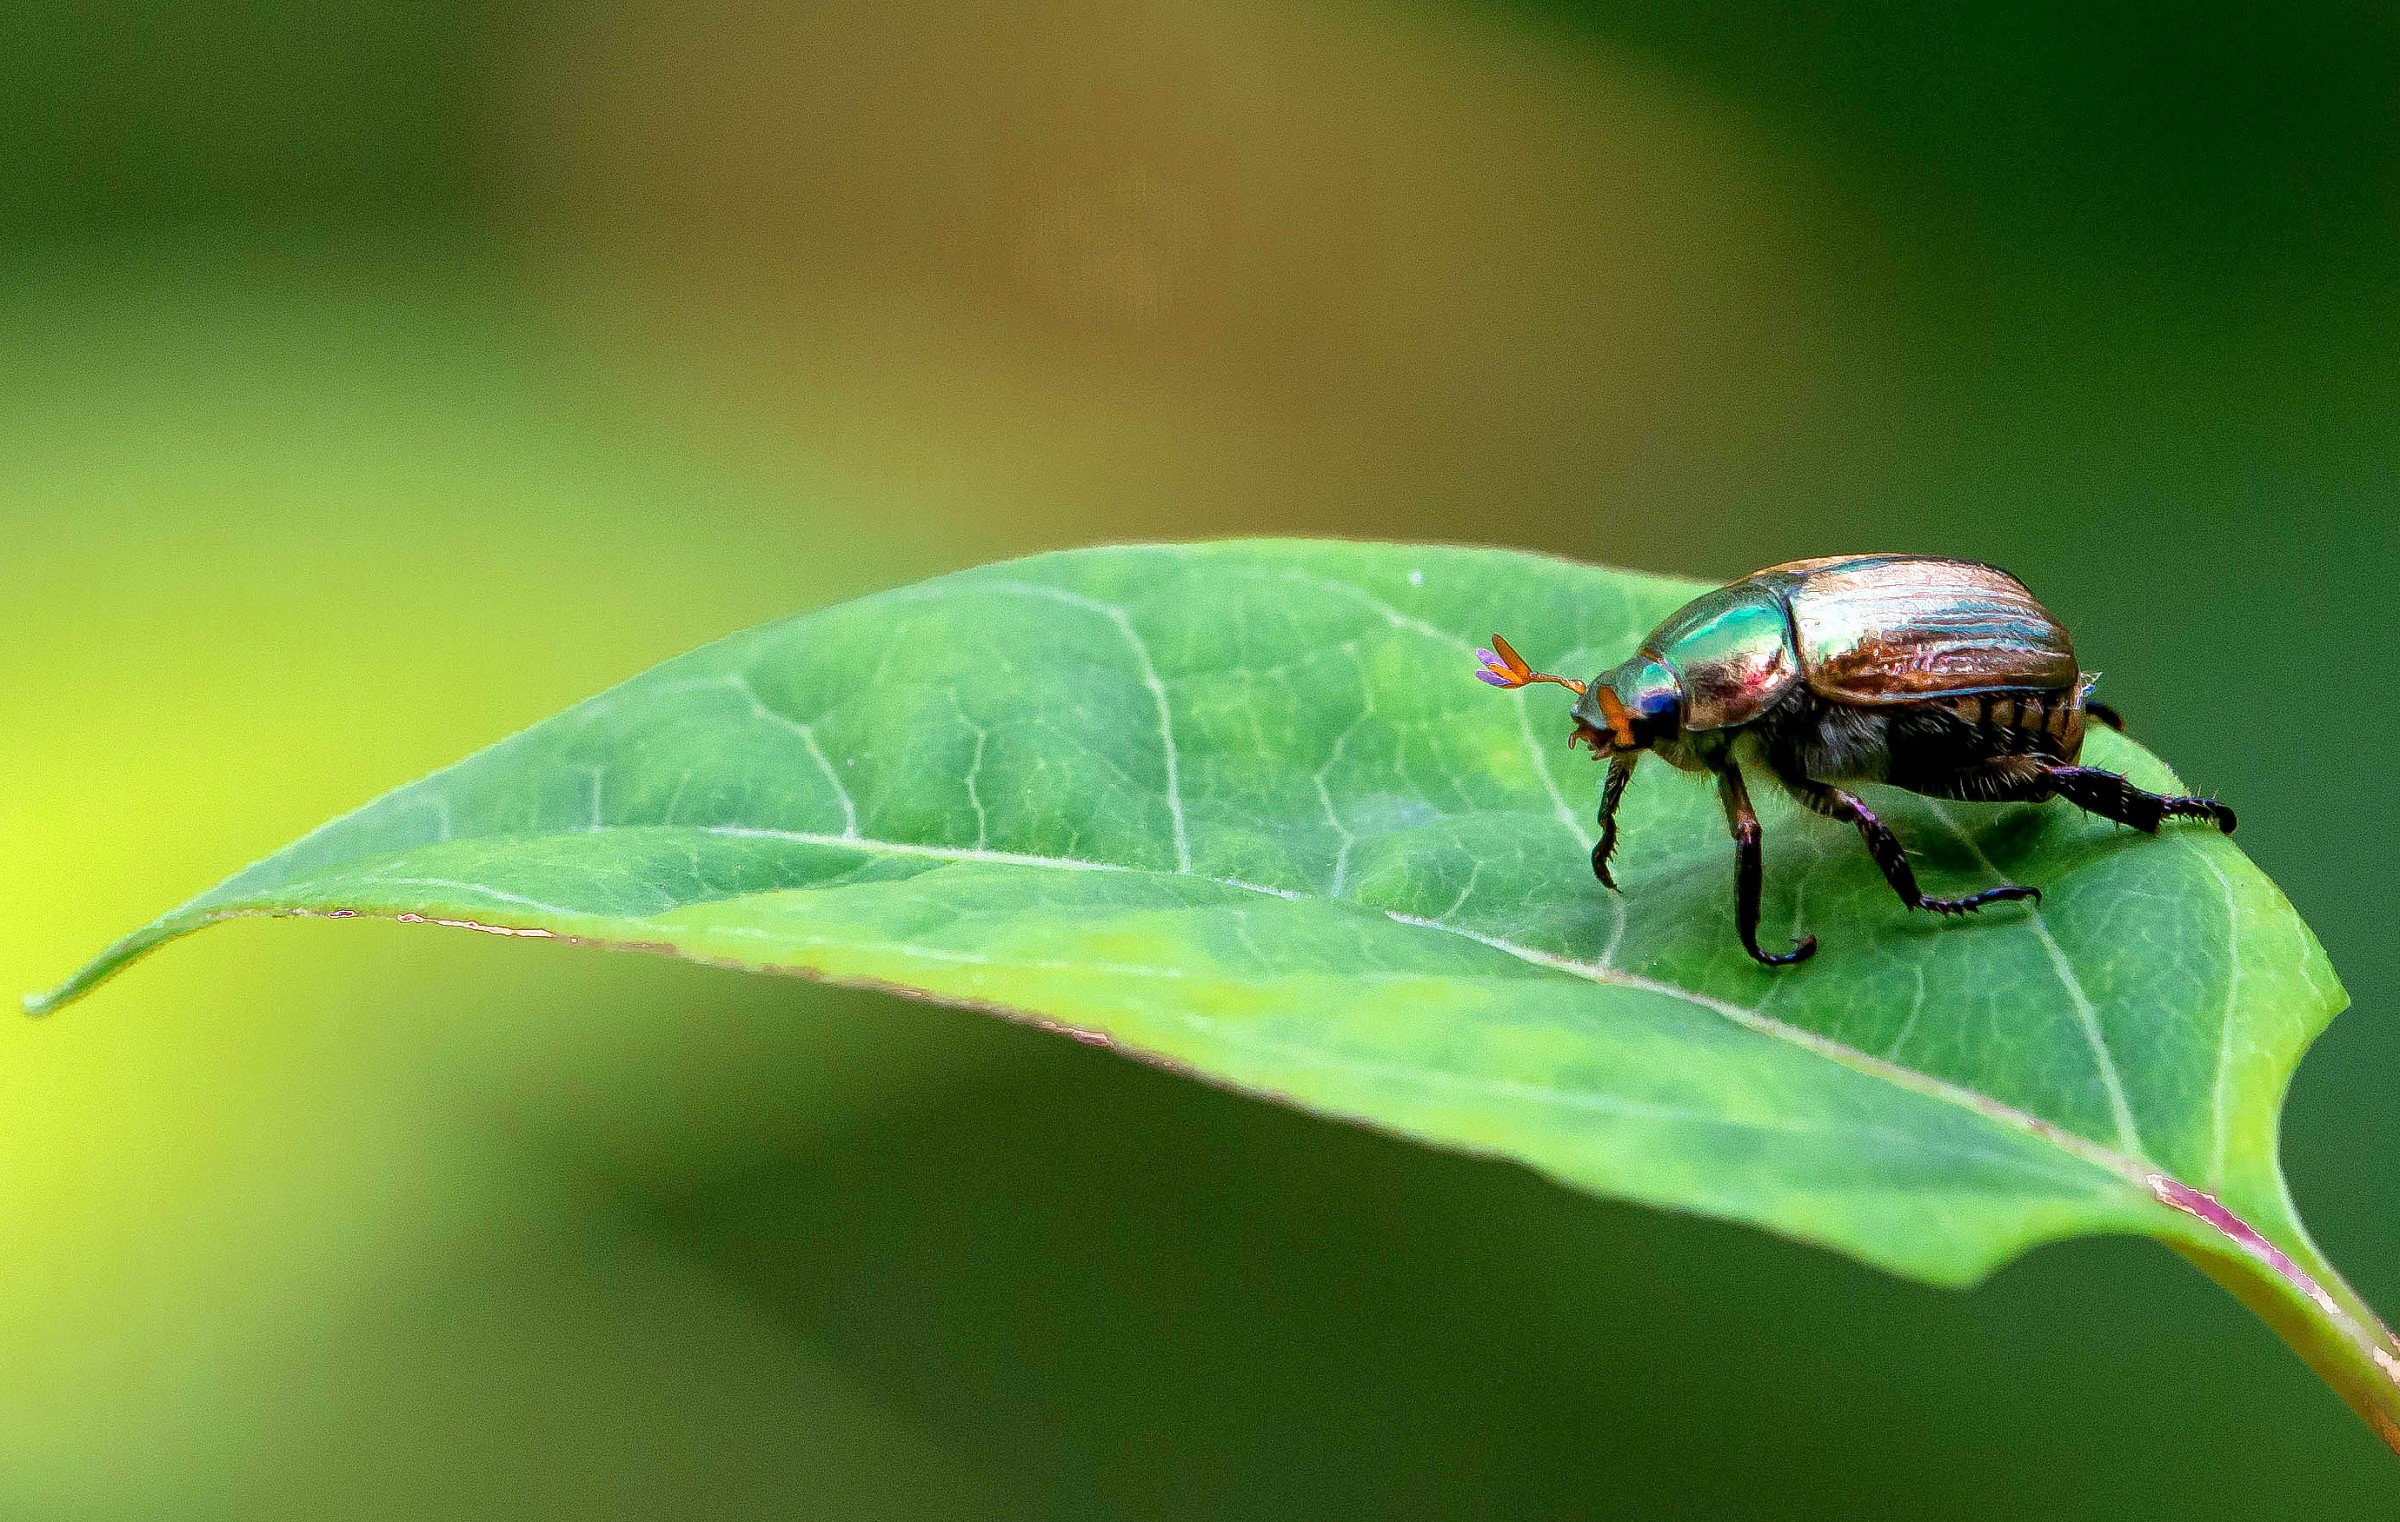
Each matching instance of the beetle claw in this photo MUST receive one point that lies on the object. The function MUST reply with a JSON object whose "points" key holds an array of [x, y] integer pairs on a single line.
{"points": [[1802, 949], [2008, 893], [1600, 867]]}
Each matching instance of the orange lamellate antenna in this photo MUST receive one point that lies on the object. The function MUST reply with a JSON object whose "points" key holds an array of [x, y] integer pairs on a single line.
{"points": [[1503, 667]]}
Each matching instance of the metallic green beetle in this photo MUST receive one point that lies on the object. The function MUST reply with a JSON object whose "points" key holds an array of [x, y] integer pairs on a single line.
{"points": [[1943, 677]]}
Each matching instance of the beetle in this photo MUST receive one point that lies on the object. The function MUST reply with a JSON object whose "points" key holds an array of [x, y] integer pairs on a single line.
{"points": [[1943, 677]]}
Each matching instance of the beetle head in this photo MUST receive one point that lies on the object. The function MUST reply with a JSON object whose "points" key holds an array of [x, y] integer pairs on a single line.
{"points": [[1627, 708], [1630, 708]]}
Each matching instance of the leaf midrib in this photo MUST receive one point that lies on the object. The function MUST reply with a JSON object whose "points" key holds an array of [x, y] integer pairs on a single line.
{"points": [[2134, 1170]]}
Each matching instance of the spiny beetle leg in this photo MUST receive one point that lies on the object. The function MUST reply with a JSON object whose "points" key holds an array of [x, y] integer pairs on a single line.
{"points": [[1885, 847], [1749, 871], [2112, 797], [1620, 771]]}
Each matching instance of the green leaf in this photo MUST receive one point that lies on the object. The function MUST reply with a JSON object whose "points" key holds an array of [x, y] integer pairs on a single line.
{"points": [[1242, 809]]}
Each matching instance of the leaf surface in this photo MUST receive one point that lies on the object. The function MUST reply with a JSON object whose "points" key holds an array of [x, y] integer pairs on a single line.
{"points": [[1241, 808]]}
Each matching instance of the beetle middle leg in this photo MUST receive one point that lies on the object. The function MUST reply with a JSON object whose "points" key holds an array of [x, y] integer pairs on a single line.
{"points": [[1885, 847], [1749, 870]]}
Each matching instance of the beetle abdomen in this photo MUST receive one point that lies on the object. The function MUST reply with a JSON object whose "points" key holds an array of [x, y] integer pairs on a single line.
{"points": [[1902, 629], [2043, 722], [1924, 745]]}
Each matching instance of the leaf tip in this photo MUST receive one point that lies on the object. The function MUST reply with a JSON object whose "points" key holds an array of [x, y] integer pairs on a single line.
{"points": [[49, 1001], [99, 970]]}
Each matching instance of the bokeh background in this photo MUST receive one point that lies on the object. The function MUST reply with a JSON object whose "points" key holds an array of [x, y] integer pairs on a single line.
{"points": [[376, 379]]}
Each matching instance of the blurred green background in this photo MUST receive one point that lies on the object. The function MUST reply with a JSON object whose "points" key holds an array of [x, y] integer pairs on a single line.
{"points": [[377, 379]]}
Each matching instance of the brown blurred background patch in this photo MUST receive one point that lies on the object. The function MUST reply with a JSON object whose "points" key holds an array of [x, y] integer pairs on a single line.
{"points": [[1127, 270]]}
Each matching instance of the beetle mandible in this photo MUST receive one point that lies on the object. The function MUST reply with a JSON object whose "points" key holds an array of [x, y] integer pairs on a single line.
{"points": [[1940, 676]]}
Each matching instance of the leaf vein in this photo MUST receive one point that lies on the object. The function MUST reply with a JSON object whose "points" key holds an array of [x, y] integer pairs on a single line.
{"points": [[740, 683], [2112, 1083], [2219, 1102], [1148, 671], [1824, 1046]]}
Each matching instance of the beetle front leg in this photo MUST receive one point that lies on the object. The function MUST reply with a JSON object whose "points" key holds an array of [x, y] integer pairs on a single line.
{"points": [[1749, 871], [1620, 772]]}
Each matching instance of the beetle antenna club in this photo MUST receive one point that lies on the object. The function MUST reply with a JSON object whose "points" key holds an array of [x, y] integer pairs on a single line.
{"points": [[1503, 667], [1941, 677]]}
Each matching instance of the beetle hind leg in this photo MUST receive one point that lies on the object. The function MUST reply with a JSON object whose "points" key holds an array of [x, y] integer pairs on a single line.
{"points": [[2112, 797], [2035, 779], [1892, 857]]}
